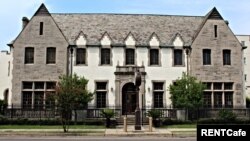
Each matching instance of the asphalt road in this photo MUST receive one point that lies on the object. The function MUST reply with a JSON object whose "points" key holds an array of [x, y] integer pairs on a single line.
{"points": [[85, 138]]}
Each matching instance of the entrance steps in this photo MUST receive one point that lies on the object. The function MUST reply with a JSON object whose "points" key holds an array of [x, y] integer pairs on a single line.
{"points": [[131, 120]]}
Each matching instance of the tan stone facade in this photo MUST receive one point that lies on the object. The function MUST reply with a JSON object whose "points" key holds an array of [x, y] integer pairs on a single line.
{"points": [[39, 70], [217, 72]]}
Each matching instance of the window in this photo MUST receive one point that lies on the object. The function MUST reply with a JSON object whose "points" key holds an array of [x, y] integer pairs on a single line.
{"points": [[49, 102], [222, 94], [208, 85], [217, 86], [80, 56], [178, 57], [228, 86], [27, 85], [130, 57], [206, 57], [207, 99], [50, 85], [243, 43], [158, 94], [27, 100], [215, 31], [29, 55], [101, 92], [226, 57], [33, 94], [218, 99], [51, 55], [154, 57], [38, 102], [41, 28], [105, 56], [39, 85], [228, 99]]}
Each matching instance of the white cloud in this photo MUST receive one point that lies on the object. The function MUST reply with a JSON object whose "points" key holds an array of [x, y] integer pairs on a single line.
{"points": [[11, 13]]}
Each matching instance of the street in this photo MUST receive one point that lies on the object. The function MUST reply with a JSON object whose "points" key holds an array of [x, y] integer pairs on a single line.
{"points": [[86, 138]]}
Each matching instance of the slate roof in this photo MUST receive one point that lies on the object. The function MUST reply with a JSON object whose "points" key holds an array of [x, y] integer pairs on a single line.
{"points": [[118, 26]]}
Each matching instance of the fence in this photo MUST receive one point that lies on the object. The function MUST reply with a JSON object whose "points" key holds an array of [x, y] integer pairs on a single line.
{"points": [[93, 112]]}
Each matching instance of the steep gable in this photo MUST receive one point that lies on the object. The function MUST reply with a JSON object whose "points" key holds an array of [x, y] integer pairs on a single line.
{"points": [[42, 11]]}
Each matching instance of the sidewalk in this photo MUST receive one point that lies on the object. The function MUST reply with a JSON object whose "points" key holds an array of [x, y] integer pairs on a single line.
{"points": [[119, 131], [171, 132]]}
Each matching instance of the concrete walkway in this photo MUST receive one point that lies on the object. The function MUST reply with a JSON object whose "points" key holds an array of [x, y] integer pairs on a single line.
{"points": [[119, 131]]}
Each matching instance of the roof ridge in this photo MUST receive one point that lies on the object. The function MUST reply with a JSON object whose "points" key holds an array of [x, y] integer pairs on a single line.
{"points": [[132, 14]]}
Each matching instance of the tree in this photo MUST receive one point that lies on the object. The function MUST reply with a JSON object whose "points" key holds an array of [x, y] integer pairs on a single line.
{"points": [[71, 94], [187, 92], [108, 114]]}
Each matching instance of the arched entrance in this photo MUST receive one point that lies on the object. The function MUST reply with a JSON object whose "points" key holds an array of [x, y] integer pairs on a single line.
{"points": [[128, 99]]}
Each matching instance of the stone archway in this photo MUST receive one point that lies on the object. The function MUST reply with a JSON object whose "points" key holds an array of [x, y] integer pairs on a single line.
{"points": [[124, 78], [128, 99]]}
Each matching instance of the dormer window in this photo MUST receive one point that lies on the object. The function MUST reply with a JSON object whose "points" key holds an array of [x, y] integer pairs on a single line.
{"points": [[130, 56], [154, 57], [105, 56]]}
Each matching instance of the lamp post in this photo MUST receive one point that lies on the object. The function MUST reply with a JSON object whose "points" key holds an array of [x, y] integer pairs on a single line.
{"points": [[137, 110]]}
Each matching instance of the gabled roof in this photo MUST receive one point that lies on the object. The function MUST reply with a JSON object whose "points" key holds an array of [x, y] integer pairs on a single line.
{"points": [[118, 27], [213, 14], [42, 11]]}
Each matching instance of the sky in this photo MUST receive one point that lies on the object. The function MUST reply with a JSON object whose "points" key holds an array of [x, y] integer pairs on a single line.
{"points": [[236, 12]]}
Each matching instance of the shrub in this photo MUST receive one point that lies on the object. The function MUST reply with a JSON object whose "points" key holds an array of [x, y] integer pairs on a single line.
{"points": [[154, 113], [227, 115]]}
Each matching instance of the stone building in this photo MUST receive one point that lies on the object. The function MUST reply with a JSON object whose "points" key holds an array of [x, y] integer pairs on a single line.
{"points": [[107, 49], [245, 42], [5, 75]]}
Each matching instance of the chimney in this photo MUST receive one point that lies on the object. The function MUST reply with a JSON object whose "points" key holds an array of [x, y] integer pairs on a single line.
{"points": [[25, 21], [227, 22]]}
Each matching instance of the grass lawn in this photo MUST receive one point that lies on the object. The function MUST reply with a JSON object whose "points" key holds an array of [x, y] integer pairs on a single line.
{"points": [[50, 127], [180, 126]]}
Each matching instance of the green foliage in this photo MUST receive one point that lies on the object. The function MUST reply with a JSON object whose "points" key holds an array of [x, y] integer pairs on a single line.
{"points": [[187, 92], [25, 121], [227, 115], [154, 113], [71, 94], [107, 113], [3, 105]]}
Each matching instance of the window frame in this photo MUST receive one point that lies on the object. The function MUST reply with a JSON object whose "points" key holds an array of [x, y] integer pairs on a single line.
{"points": [[206, 56], [101, 94], [41, 28], [226, 54], [128, 58], [157, 92], [154, 61], [82, 62], [109, 58], [175, 55], [51, 55], [29, 57], [29, 87]]}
